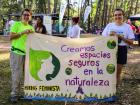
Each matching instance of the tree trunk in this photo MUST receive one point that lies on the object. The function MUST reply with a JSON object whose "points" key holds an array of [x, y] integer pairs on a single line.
{"points": [[49, 7], [137, 2], [55, 6], [96, 18]]}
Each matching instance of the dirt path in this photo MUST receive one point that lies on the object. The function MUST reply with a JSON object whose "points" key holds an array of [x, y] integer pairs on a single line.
{"points": [[132, 69]]}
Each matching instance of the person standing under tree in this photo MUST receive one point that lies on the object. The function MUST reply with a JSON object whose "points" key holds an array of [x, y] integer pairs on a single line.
{"points": [[125, 36], [39, 27], [18, 35], [74, 31]]}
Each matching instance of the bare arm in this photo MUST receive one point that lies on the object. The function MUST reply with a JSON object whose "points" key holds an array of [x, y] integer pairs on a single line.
{"points": [[14, 36], [129, 41], [18, 35]]}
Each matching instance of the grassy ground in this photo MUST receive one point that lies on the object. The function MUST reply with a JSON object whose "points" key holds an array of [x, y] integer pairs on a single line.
{"points": [[128, 92]]}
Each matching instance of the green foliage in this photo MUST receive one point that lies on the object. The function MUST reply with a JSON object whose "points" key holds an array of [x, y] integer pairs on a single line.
{"points": [[91, 95], [46, 95], [66, 95], [80, 97], [105, 96], [101, 97], [94, 8], [137, 23], [96, 96], [75, 96], [62, 95], [70, 95], [110, 95], [100, 14], [51, 95], [85, 96]]}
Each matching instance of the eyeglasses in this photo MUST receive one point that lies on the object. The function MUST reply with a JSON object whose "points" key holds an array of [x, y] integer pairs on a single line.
{"points": [[117, 14], [26, 15]]}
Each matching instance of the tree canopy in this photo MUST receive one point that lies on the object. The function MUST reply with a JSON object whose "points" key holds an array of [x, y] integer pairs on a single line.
{"points": [[101, 10]]}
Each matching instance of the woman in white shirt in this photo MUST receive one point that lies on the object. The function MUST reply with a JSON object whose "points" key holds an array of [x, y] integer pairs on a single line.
{"points": [[74, 31], [125, 36]]}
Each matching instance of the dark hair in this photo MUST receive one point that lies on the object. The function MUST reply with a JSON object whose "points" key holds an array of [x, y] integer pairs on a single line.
{"points": [[119, 9], [41, 18], [75, 19], [26, 10]]}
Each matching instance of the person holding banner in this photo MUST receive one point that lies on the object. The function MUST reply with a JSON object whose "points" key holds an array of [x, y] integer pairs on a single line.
{"points": [[74, 31], [18, 35], [125, 36]]}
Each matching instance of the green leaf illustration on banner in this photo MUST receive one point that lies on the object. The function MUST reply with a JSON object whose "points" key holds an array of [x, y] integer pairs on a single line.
{"points": [[43, 95], [26, 94], [34, 94], [70, 95], [62, 95], [56, 95], [114, 94], [91, 94], [110, 68], [75, 96], [85, 96], [101, 97], [65, 95], [96, 96], [105, 96], [111, 44], [52, 95], [110, 95], [36, 57], [80, 97], [46, 95]]}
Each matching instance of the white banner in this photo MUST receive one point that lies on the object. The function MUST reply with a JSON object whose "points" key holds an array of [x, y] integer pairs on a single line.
{"points": [[48, 24], [62, 11], [82, 3], [63, 69], [87, 12]]}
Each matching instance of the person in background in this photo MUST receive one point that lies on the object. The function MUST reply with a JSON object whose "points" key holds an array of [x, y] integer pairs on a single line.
{"points": [[34, 22], [8, 24], [139, 35], [125, 36], [11, 22], [74, 31], [18, 35], [39, 27], [53, 27], [56, 28], [7, 28], [134, 28]]}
